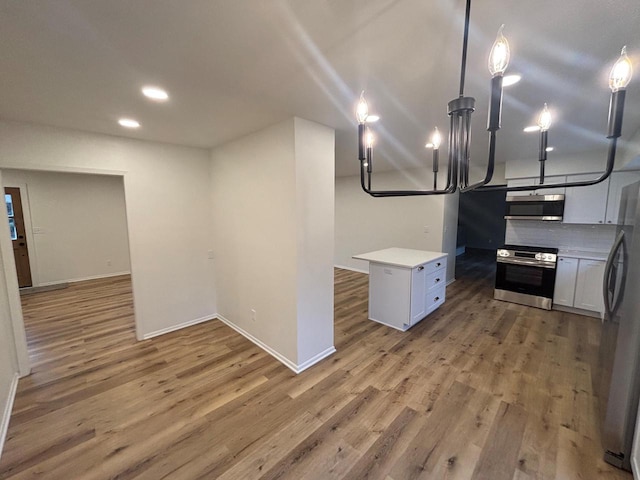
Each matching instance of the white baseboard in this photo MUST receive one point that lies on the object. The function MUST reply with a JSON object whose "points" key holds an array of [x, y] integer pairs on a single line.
{"points": [[274, 353], [315, 359], [6, 414], [84, 279], [180, 326], [359, 270]]}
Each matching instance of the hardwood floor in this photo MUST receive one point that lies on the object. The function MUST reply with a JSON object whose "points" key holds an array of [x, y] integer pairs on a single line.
{"points": [[481, 389]]}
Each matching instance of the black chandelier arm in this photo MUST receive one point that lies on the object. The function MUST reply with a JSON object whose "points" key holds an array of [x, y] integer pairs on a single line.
{"points": [[490, 167], [366, 187], [452, 184], [611, 155], [616, 113]]}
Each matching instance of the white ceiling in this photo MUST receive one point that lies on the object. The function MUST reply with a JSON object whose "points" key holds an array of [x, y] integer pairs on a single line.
{"points": [[235, 66]]}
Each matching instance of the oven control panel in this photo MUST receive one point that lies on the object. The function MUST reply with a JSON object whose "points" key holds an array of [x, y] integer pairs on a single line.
{"points": [[529, 257], [546, 257]]}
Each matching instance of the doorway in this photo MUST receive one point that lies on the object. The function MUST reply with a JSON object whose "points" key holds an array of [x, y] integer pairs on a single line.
{"points": [[18, 235]]}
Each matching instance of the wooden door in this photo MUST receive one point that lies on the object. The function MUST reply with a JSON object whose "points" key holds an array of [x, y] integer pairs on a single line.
{"points": [[18, 235]]}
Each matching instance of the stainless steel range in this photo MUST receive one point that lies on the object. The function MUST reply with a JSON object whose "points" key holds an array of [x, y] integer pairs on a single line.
{"points": [[526, 275]]}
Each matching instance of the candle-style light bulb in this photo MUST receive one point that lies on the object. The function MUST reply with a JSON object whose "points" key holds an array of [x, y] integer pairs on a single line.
{"points": [[362, 110], [620, 75], [370, 140], [436, 139], [544, 120], [499, 56]]}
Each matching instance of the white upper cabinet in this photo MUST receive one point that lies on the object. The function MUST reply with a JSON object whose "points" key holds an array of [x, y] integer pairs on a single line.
{"points": [[596, 204], [520, 182], [585, 204], [617, 182]]}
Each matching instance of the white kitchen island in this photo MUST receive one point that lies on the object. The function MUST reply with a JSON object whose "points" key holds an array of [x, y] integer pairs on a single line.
{"points": [[404, 285]]}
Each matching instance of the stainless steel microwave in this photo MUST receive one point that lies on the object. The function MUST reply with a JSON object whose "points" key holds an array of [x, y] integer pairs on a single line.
{"points": [[535, 207]]}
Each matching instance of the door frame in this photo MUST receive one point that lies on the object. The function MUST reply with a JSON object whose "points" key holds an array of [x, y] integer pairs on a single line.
{"points": [[8, 261], [13, 294], [28, 229]]}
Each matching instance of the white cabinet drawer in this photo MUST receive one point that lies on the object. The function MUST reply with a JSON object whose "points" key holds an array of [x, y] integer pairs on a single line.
{"points": [[436, 279], [435, 265], [435, 297]]}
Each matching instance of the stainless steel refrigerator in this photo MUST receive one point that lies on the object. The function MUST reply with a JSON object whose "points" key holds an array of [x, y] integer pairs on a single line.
{"points": [[619, 360]]}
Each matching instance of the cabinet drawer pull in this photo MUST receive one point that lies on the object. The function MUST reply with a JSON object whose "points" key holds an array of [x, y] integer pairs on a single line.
{"points": [[438, 264], [437, 280], [420, 268], [436, 299]]}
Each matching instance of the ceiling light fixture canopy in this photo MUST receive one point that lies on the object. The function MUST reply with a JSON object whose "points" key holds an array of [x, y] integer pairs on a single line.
{"points": [[459, 138]]}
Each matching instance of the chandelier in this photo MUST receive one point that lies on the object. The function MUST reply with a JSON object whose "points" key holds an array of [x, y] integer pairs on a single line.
{"points": [[459, 139]]}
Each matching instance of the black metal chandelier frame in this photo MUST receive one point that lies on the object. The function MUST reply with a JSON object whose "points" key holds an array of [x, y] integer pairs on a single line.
{"points": [[459, 141]]}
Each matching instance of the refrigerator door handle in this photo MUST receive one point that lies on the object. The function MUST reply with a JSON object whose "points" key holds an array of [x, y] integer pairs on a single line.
{"points": [[610, 310]]}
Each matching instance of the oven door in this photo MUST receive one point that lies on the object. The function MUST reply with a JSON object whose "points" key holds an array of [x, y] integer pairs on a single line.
{"points": [[525, 277]]}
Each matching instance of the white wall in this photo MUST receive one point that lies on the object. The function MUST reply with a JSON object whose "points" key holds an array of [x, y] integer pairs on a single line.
{"points": [[630, 155], [79, 221], [8, 353], [8, 363], [272, 231], [364, 223], [168, 213], [314, 151], [450, 232]]}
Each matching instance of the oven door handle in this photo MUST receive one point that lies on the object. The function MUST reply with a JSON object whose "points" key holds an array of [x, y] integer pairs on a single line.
{"points": [[529, 263]]}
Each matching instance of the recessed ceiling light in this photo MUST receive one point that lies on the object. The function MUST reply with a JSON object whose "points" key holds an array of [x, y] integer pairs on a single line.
{"points": [[509, 80], [429, 145], [155, 93], [549, 149], [129, 123], [372, 118], [531, 128]]}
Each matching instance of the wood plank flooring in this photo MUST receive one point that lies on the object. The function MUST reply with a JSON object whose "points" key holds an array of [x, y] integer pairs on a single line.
{"points": [[480, 389]]}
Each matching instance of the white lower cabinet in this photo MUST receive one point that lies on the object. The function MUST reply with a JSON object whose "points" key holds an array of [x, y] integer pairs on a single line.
{"points": [[566, 274], [418, 293], [400, 297], [579, 284], [427, 288], [589, 285]]}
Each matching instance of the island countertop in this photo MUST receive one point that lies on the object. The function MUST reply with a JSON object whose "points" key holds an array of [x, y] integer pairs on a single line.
{"points": [[400, 257]]}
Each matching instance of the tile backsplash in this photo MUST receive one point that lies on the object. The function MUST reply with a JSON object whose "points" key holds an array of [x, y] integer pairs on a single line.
{"points": [[589, 238]]}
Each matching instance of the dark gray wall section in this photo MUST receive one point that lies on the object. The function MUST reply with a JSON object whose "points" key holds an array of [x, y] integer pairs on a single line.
{"points": [[481, 222]]}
